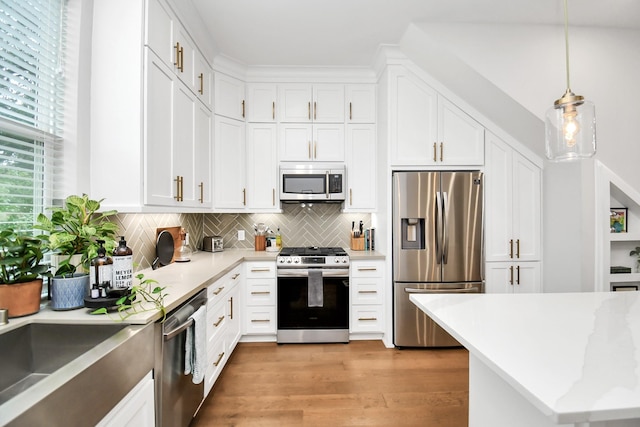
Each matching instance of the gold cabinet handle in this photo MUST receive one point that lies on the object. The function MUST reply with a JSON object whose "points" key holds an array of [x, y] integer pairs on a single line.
{"points": [[201, 185], [309, 146], [201, 77], [273, 197], [367, 318], [350, 112], [315, 110], [220, 356], [177, 61], [518, 248], [244, 197], [518, 275], [367, 268], [511, 275], [260, 293], [367, 292], [235, 276], [442, 151], [511, 248], [351, 196], [231, 308], [243, 108], [315, 149], [217, 291], [260, 320], [309, 110], [179, 189], [220, 319], [273, 110], [260, 270], [435, 155]]}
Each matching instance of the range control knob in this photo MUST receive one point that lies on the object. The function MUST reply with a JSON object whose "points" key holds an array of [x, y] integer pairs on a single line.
{"points": [[289, 260]]}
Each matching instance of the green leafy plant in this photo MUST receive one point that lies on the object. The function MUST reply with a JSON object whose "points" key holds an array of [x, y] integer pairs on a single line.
{"points": [[20, 258], [75, 228], [145, 296]]}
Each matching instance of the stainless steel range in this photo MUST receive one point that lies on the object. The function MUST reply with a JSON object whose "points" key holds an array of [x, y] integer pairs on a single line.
{"points": [[313, 295]]}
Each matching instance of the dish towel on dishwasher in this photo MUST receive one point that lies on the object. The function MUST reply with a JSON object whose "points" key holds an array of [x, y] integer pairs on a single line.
{"points": [[315, 289], [195, 349]]}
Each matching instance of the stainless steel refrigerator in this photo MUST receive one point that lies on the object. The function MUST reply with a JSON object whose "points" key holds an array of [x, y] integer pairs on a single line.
{"points": [[437, 247]]}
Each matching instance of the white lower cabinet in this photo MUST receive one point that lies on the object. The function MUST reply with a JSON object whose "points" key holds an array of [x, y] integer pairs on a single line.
{"points": [[260, 300], [366, 284], [513, 277], [136, 409], [223, 323]]}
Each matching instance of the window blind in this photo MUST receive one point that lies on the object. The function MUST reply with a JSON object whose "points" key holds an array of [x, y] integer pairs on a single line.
{"points": [[32, 35]]}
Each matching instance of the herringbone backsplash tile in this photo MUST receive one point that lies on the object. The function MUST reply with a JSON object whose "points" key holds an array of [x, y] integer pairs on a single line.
{"points": [[319, 225]]}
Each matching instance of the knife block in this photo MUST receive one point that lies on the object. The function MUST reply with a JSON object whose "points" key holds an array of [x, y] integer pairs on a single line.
{"points": [[357, 243]]}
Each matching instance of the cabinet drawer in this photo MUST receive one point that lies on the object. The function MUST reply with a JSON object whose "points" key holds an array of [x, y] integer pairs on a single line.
{"points": [[260, 292], [260, 320], [366, 269], [366, 318], [216, 358], [256, 270], [216, 321], [366, 290]]}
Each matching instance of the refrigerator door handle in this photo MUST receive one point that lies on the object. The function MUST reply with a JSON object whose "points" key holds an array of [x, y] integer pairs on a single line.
{"points": [[445, 224], [438, 221]]}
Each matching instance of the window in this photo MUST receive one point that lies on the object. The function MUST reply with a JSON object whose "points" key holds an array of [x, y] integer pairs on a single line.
{"points": [[32, 35]]}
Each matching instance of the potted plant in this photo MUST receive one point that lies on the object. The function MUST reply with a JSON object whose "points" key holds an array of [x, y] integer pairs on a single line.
{"points": [[21, 271], [72, 234]]}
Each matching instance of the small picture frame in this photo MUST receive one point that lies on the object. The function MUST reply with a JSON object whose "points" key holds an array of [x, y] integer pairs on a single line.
{"points": [[618, 220]]}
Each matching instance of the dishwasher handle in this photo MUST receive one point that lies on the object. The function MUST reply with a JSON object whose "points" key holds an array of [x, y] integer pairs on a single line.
{"points": [[182, 316], [442, 291], [175, 331]]}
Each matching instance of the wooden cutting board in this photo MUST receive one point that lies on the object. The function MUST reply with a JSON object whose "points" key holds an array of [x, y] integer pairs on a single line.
{"points": [[175, 233]]}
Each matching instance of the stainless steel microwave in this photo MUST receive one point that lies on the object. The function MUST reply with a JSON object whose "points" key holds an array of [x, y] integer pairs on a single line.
{"points": [[300, 183]]}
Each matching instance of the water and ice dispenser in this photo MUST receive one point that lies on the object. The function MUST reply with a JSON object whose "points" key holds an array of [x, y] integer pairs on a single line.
{"points": [[412, 233]]}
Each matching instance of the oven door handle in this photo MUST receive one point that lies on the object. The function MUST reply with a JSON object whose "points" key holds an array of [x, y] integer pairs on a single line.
{"points": [[304, 272]]}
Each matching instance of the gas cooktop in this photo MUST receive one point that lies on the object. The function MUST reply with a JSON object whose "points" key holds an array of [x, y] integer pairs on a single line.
{"points": [[296, 257]]}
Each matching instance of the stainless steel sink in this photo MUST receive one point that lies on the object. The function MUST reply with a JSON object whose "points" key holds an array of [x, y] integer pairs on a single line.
{"points": [[69, 371]]}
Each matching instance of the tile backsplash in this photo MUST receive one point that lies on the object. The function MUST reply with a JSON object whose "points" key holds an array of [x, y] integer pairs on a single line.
{"points": [[319, 225]]}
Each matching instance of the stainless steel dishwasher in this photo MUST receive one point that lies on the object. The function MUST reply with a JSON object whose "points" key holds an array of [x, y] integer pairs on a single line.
{"points": [[179, 398]]}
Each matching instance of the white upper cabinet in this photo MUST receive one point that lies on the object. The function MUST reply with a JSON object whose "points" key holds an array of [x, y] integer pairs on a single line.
{"points": [[229, 97], [160, 27], [261, 102], [427, 129], [512, 204], [311, 143], [360, 103], [203, 157], [306, 103], [361, 168], [230, 191], [262, 173]]}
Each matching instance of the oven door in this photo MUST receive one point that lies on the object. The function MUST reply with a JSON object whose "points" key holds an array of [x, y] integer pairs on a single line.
{"points": [[321, 319]]}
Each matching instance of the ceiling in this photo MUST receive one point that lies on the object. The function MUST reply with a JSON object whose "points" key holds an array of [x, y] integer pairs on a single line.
{"points": [[348, 32]]}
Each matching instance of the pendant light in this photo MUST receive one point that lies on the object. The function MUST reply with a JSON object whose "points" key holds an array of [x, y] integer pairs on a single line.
{"points": [[571, 122]]}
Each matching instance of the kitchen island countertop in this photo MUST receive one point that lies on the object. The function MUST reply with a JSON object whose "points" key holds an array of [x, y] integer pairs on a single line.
{"points": [[182, 280], [547, 359]]}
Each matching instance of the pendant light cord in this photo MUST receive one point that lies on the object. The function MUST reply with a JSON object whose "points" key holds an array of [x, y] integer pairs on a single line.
{"points": [[566, 42]]}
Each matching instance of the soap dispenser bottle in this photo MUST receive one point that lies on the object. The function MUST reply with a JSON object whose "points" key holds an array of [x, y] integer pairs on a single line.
{"points": [[122, 266], [101, 271]]}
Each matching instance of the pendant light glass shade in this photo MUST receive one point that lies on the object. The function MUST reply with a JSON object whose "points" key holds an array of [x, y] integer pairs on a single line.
{"points": [[570, 125]]}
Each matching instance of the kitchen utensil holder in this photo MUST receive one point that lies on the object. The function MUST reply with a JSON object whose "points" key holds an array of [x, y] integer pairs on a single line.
{"points": [[260, 242], [357, 243]]}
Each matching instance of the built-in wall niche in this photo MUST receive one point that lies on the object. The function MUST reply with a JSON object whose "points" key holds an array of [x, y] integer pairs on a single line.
{"points": [[623, 243]]}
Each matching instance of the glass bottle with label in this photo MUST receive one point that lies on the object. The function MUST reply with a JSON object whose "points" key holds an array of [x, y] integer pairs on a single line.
{"points": [[122, 266], [101, 271]]}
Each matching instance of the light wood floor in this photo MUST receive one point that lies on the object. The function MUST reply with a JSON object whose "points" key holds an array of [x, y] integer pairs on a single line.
{"points": [[357, 384]]}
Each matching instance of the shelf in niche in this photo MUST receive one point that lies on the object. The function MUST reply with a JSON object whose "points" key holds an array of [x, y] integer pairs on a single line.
{"points": [[624, 237], [624, 278]]}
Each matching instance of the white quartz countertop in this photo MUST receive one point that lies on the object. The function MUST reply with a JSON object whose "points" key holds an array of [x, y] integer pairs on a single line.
{"points": [[575, 356], [181, 280]]}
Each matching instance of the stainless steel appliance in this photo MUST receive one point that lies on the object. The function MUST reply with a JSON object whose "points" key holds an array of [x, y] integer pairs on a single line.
{"points": [[178, 397], [437, 247], [313, 295], [212, 244], [312, 183]]}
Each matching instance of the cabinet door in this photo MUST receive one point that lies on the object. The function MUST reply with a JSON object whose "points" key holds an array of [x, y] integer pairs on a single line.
{"points": [[360, 103], [295, 142], [160, 188], [526, 209], [229, 97], [294, 103], [498, 190], [203, 156], [526, 277], [499, 277], [184, 112], [261, 100], [413, 120], [361, 167], [159, 35], [328, 103], [328, 143], [136, 409], [262, 173], [460, 138], [229, 162]]}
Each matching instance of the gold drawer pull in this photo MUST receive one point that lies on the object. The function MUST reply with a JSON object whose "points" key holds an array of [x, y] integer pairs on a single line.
{"points": [[368, 318], [261, 269], [235, 276], [260, 293], [220, 319], [220, 356], [260, 320], [217, 291], [367, 292], [367, 268]]}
